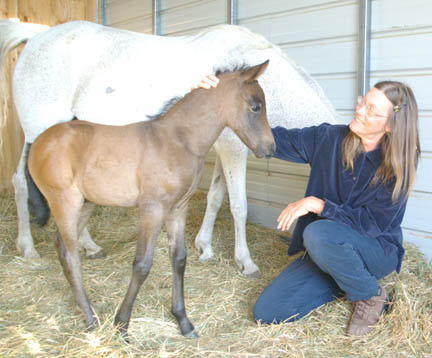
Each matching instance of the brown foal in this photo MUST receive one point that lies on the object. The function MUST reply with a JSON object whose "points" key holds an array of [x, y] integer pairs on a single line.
{"points": [[155, 165]]}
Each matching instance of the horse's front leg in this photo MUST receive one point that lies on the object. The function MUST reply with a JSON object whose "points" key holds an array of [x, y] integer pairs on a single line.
{"points": [[234, 165], [215, 197], [175, 226], [151, 218], [24, 240]]}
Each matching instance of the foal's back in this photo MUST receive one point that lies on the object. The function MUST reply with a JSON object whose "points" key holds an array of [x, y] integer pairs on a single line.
{"points": [[108, 165]]}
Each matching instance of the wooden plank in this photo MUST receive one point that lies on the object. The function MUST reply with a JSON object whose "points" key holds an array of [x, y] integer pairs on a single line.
{"points": [[12, 138]]}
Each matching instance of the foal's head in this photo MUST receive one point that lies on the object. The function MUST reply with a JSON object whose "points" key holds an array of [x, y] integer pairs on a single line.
{"points": [[244, 107]]}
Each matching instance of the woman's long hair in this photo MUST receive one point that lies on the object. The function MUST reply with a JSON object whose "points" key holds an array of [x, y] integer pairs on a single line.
{"points": [[400, 147]]}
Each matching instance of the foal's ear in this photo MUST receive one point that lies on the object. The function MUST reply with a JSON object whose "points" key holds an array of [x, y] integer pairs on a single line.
{"points": [[254, 72]]}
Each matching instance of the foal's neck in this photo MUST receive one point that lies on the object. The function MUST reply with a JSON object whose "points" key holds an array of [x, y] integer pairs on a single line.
{"points": [[196, 121]]}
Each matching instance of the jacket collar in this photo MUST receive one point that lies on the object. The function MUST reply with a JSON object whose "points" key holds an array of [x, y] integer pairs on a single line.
{"points": [[374, 156]]}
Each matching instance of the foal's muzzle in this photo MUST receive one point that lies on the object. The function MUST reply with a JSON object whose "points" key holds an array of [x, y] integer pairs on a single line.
{"points": [[265, 151]]}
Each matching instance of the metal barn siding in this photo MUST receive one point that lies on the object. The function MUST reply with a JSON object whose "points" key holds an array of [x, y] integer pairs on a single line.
{"points": [[400, 50], [321, 36], [133, 15]]}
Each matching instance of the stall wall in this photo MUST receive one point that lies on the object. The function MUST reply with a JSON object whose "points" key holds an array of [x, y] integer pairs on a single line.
{"points": [[48, 12]]}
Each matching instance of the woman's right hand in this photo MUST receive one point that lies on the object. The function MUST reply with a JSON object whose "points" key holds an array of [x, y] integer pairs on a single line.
{"points": [[207, 82]]}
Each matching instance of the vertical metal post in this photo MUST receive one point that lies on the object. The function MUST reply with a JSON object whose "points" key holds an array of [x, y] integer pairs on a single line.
{"points": [[102, 12], [156, 17], [233, 12], [363, 70]]}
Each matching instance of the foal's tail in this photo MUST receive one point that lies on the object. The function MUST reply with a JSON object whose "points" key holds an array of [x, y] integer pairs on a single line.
{"points": [[37, 202], [15, 33]]}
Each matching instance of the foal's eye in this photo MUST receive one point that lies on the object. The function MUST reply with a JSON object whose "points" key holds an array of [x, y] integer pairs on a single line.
{"points": [[255, 108]]}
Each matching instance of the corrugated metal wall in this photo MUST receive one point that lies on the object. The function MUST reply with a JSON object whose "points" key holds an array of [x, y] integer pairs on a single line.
{"points": [[321, 36], [401, 49]]}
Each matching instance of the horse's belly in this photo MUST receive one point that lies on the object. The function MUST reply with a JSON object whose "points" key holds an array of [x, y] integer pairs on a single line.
{"points": [[111, 189]]}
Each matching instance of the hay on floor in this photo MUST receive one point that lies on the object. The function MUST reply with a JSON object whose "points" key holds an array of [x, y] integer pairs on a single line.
{"points": [[38, 317]]}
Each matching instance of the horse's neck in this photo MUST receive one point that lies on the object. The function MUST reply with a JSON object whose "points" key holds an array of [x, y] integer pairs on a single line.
{"points": [[195, 122]]}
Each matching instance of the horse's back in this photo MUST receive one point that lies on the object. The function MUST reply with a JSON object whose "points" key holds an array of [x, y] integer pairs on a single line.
{"points": [[100, 74], [107, 75]]}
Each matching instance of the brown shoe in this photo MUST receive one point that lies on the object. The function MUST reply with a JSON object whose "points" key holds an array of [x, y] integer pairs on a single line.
{"points": [[367, 313]]}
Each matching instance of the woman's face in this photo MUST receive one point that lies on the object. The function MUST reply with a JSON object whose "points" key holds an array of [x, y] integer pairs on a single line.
{"points": [[370, 120]]}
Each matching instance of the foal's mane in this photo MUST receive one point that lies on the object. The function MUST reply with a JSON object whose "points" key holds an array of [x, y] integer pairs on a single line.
{"points": [[173, 101], [166, 107], [234, 68]]}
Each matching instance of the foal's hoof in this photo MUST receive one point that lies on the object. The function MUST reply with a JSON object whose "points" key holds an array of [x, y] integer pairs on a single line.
{"points": [[122, 332], [91, 328], [124, 336], [97, 255], [191, 335]]}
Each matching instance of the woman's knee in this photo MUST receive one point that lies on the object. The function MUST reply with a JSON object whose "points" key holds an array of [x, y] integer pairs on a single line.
{"points": [[267, 312], [262, 312], [320, 237], [313, 237]]}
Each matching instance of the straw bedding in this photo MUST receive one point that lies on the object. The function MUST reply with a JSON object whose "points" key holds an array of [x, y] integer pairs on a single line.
{"points": [[38, 317]]}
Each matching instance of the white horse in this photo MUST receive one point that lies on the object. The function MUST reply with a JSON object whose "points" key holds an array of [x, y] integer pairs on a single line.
{"points": [[106, 75]]}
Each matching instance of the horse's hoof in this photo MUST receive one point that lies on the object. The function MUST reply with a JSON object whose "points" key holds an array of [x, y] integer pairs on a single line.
{"points": [[97, 255], [206, 257], [30, 254], [254, 274], [191, 335]]}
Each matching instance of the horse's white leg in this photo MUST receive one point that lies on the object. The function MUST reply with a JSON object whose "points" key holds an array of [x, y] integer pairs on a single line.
{"points": [[234, 167], [215, 197], [93, 251], [24, 240]]}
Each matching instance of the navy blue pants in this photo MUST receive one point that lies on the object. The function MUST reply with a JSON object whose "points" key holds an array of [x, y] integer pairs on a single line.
{"points": [[339, 261]]}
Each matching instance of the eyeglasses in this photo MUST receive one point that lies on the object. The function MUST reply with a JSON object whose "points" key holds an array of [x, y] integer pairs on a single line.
{"points": [[369, 109]]}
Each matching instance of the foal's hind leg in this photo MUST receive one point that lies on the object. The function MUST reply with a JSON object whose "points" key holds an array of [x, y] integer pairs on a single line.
{"points": [[175, 225], [24, 241], [71, 217]]}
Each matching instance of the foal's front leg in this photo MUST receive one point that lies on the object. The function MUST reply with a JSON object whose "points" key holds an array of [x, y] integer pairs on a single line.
{"points": [[175, 226]]}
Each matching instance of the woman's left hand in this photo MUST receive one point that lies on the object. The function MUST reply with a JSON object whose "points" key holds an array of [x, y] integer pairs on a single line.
{"points": [[299, 208], [207, 82]]}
